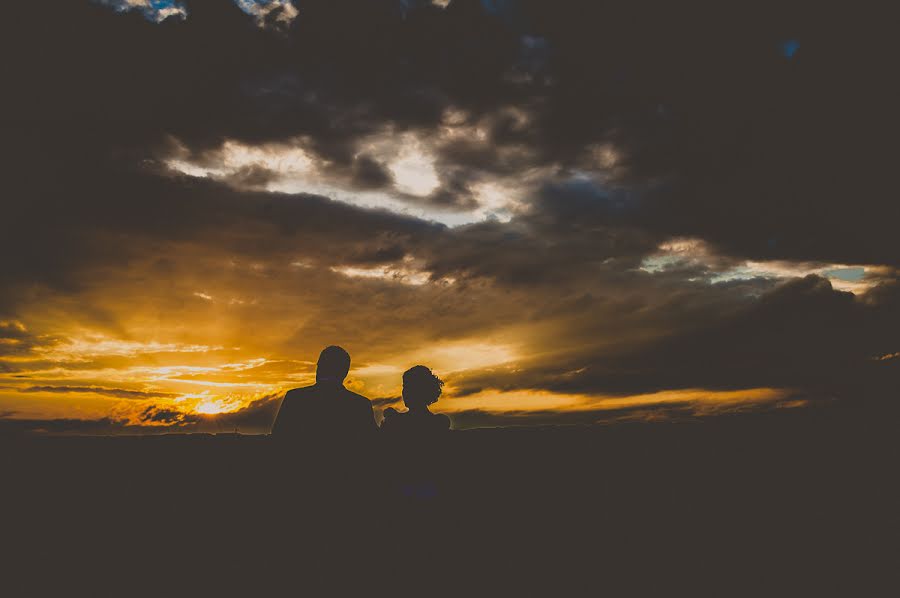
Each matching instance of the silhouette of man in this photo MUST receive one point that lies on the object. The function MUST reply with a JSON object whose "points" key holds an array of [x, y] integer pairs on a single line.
{"points": [[326, 411]]}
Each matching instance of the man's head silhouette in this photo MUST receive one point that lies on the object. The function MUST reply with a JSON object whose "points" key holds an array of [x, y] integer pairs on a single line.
{"points": [[333, 365]]}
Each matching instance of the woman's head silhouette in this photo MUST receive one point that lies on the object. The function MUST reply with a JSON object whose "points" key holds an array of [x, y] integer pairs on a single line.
{"points": [[420, 387]]}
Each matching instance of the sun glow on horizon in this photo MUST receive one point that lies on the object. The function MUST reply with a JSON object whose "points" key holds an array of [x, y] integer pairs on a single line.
{"points": [[210, 407], [167, 381]]}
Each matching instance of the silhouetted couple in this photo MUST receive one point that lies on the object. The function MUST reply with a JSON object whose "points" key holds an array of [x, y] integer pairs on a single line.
{"points": [[328, 412]]}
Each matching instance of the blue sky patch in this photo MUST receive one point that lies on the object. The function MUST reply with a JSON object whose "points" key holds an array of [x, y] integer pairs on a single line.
{"points": [[848, 274]]}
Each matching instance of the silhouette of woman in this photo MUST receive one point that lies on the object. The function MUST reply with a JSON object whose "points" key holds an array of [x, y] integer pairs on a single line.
{"points": [[421, 388], [418, 435]]}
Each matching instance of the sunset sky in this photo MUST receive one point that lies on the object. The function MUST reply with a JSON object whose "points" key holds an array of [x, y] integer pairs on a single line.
{"points": [[572, 212]]}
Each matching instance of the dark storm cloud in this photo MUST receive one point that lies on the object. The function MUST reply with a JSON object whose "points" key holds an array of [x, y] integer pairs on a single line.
{"points": [[17, 341], [369, 174], [519, 254], [216, 75], [800, 334], [63, 250], [767, 155], [254, 176], [162, 415], [80, 233]]}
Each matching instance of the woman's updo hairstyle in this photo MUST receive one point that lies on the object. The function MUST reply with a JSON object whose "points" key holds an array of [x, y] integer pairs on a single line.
{"points": [[420, 387]]}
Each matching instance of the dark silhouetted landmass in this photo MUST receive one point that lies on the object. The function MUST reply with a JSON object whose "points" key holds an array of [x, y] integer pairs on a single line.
{"points": [[791, 503]]}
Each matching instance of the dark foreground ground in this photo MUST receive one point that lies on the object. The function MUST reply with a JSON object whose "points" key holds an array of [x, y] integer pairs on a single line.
{"points": [[799, 503]]}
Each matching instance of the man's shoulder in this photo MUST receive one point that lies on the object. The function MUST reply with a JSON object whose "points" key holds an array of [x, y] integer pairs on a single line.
{"points": [[316, 393], [357, 398], [299, 393]]}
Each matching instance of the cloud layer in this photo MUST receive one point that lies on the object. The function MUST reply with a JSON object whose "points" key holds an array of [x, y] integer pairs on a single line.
{"points": [[566, 202]]}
